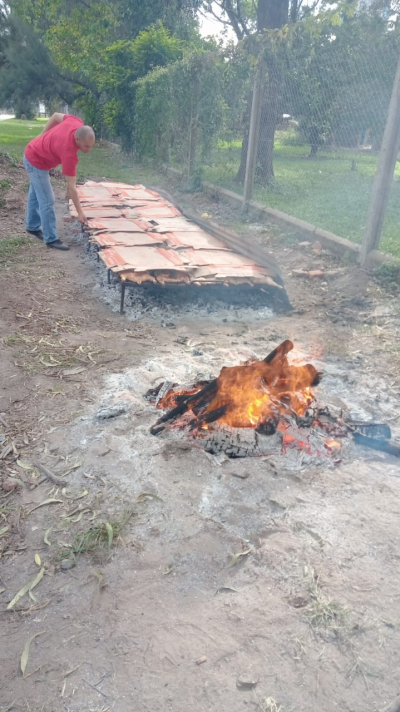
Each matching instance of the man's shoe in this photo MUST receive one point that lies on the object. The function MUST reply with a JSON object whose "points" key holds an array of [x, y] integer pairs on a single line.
{"points": [[58, 245], [36, 233]]}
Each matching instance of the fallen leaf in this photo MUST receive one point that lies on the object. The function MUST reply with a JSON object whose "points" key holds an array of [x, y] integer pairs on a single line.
{"points": [[235, 558], [73, 371], [4, 530], [25, 652], [225, 589], [245, 684], [24, 465], [46, 501], [168, 569], [84, 494], [79, 517], [28, 587], [144, 495], [46, 536], [110, 533], [38, 560]]}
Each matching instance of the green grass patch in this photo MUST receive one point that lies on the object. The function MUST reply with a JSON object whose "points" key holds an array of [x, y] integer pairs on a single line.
{"points": [[103, 162], [9, 248], [388, 275], [15, 134], [331, 190]]}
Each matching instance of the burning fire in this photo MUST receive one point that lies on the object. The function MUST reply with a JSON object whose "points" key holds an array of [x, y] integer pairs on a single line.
{"points": [[255, 395]]}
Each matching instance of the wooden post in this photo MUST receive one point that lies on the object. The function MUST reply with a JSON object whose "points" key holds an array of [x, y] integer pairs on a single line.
{"points": [[384, 174], [254, 135]]}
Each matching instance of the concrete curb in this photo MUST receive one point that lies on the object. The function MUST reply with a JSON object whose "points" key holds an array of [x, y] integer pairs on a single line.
{"points": [[338, 245]]}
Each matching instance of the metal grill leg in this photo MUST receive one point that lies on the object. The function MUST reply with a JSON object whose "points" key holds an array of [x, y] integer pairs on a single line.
{"points": [[121, 309]]}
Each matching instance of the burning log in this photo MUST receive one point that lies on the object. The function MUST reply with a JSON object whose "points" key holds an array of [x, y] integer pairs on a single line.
{"points": [[262, 407], [254, 395]]}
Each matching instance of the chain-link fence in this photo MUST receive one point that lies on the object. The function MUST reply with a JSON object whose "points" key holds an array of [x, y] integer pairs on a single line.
{"points": [[323, 105]]}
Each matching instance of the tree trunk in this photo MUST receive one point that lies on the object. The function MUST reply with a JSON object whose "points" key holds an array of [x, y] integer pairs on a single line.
{"points": [[241, 174], [269, 122], [271, 14]]}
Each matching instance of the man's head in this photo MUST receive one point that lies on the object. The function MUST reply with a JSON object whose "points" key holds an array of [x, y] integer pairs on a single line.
{"points": [[85, 138]]}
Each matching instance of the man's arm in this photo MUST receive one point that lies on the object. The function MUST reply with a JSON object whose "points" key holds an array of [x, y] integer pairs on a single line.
{"points": [[73, 194], [57, 118]]}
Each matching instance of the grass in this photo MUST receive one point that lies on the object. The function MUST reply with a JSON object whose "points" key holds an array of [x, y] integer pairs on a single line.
{"points": [[47, 352], [324, 613], [9, 248], [96, 541], [104, 161], [325, 191]]}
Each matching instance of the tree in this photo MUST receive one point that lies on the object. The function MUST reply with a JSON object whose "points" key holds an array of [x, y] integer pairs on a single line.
{"points": [[27, 71], [338, 79], [123, 63]]}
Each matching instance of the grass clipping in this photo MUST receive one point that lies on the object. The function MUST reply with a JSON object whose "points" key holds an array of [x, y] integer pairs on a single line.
{"points": [[324, 613], [99, 538]]}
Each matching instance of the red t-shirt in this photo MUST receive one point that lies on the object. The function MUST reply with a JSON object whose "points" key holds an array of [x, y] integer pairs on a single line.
{"points": [[56, 147]]}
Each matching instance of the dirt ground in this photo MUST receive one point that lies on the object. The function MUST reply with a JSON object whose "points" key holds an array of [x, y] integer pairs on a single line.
{"points": [[307, 619]]}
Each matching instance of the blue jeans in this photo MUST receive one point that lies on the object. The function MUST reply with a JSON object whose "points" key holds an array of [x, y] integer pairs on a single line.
{"points": [[40, 209]]}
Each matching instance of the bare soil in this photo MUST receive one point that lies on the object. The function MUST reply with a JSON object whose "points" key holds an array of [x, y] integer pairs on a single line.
{"points": [[307, 619]]}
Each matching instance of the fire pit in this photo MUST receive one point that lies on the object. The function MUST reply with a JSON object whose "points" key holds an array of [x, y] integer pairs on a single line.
{"points": [[260, 408]]}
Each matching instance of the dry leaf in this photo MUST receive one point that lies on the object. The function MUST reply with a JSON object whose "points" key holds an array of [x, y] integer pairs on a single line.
{"points": [[38, 560], [79, 517], [110, 533], [84, 494], [144, 495], [46, 536], [28, 587], [235, 558], [4, 530], [24, 465], [46, 501], [25, 652], [73, 371], [225, 589], [168, 569], [243, 683]]}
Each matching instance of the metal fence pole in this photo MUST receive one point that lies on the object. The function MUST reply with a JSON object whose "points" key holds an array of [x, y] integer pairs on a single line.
{"points": [[254, 135], [384, 174]]}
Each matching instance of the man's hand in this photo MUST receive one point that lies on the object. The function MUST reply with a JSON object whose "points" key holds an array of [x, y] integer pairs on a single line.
{"points": [[82, 218], [73, 194]]}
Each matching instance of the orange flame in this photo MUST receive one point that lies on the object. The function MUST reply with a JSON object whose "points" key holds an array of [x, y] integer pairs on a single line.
{"points": [[258, 392]]}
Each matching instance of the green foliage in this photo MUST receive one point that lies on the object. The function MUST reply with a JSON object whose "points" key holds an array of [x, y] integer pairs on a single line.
{"points": [[388, 275], [339, 74], [124, 62], [27, 71], [179, 105]]}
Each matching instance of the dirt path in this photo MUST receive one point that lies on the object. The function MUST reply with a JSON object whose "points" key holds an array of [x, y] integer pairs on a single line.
{"points": [[307, 620]]}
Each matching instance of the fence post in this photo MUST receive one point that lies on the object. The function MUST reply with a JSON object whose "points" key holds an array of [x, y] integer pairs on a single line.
{"points": [[254, 135], [384, 174], [194, 107]]}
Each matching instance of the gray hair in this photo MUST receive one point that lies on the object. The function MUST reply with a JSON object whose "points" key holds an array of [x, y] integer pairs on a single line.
{"points": [[84, 132]]}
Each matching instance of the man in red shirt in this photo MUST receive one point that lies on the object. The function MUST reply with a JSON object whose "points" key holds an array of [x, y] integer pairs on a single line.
{"points": [[63, 136]]}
